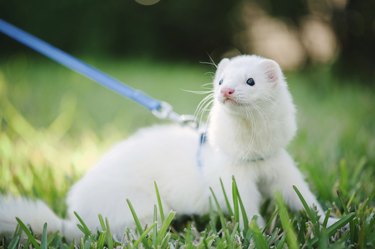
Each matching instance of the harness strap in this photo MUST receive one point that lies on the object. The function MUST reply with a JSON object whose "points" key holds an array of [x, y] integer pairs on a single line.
{"points": [[202, 141]]}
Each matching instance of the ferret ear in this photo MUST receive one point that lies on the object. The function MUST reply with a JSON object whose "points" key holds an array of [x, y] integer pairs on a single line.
{"points": [[271, 69], [222, 64]]}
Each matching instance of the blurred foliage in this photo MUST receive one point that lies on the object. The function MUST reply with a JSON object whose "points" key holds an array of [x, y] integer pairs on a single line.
{"points": [[188, 30], [292, 10], [355, 28], [168, 29], [353, 23]]}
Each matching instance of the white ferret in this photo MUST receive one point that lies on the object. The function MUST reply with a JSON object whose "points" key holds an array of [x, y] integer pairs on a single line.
{"points": [[251, 122]]}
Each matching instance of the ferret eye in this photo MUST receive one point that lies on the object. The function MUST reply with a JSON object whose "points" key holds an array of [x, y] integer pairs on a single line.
{"points": [[250, 81], [220, 82]]}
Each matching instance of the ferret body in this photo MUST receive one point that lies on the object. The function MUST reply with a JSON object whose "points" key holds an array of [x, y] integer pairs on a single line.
{"points": [[251, 122]]}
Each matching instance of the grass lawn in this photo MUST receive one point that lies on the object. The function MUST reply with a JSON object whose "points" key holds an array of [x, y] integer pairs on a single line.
{"points": [[54, 124]]}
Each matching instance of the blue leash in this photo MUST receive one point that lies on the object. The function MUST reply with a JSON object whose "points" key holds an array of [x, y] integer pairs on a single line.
{"points": [[80, 67], [160, 109]]}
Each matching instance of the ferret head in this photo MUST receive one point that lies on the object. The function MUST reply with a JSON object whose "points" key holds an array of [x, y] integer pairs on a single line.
{"points": [[247, 81], [253, 113]]}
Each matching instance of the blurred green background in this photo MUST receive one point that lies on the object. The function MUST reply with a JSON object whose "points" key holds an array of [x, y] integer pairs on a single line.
{"points": [[297, 33], [53, 118]]}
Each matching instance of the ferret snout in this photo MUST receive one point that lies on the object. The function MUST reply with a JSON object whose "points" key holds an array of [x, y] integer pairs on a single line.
{"points": [[227, 91]]}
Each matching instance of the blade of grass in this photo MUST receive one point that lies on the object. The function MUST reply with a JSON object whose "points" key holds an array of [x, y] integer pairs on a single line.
{"points": [[323, 239], [160, 205], [285, 222], [230, 211], [236, 210], [135, 217], [218, 209], [188, 237], [340, 223], [325, 222], [281, 243], [245, 219], [337, 225], [28, 234], [109, 235], [232, 241], [166, 224], [221, 216], [13, 244], [143, 235], [101, 239], [44, 241], [155, 229], [137, 222], [164, 243], [82, 226], [358, 169], [343, 179], [101, 221], [259, 239], [87, 244], [339, 194], [310, 213], [213, 217]]}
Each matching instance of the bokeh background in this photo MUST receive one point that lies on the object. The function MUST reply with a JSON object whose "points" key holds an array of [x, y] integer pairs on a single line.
{"points": [[297, 33], [56, 124]]}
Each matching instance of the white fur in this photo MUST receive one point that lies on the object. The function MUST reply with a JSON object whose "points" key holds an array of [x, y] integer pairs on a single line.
{"points": [[247, 136]]}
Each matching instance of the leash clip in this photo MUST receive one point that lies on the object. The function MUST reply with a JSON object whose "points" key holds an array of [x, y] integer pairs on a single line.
{"points": [[189, 120], [163, 111], [166, 112]]}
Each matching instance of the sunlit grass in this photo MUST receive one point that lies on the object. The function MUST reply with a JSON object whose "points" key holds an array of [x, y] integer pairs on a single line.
{"points": [[55, 124]]}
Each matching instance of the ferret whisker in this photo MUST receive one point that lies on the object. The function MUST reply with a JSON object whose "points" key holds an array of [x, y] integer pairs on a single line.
{"points": [[210, 74], [201, 92], [208, 85], [208, 63], [203, 111], [211, 62], [202, 106]]}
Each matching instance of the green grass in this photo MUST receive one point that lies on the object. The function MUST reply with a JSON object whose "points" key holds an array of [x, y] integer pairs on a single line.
{"points": [[55, 124]]}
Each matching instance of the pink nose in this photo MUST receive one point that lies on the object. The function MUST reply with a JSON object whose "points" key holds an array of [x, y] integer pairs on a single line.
{"points": [[227, 91]]}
